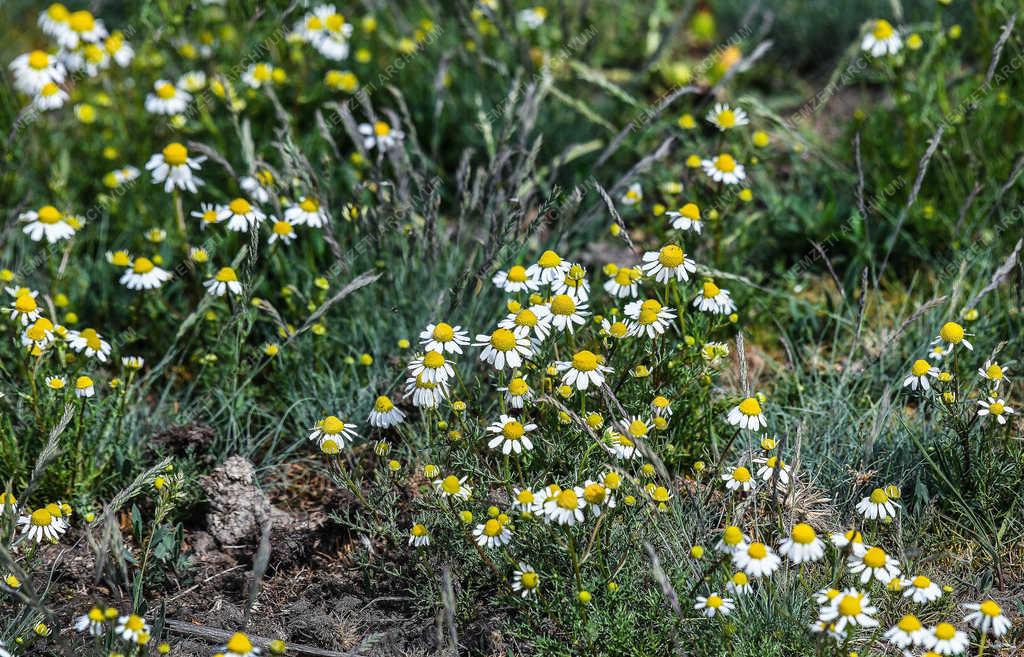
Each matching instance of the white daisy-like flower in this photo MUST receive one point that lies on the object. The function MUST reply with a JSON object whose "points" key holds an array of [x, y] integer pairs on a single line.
{"points": [[241, 215], [713, 299], [996, 408], [432, 367], [907, 632], [851, 538], [124, 175], [239, 645], [661, 406], [598, 496], [144, 275], [650, 318], [50, 97], [167, 99], [920, 372], [921, 590], [525, 580], [739, 584], [878, 505], [282, 231], [34, 70], [739, 478], [419, 535], [668, 263], [133, 362], [549, 267], [566, 508], [385, 414], [174, 168], [41, 525], [725, 169], [714, 605], [260, 74], [93, 622], [308, 212], [192, 81], [223, 282], [25, 308], [620, 445], [937, 352], [90, 342], [634, 194], [308, 28], [452, 486], [81, 27], [526, 500], [881, 39], [945, 639], [84, 388], [258, 187], [511, 435], [517, 392], [38, 335], [333, 428], [995, 373], [849, 607], [515, 280], [583, 371], [492, 534], [772, 467], [636, 427], [532, 17], [625, 284], [48, 222], [132, 628], [536, 320], [573, 284], [724, 117], [504, 349], [686, 218], [380, 135], [757, 560], [119, 49], [331, 40], [803, 545], [951, 334], [732, 539], [747, 415], [54, 19], [425, 394], [442, 337], [988, 618], [207, 214], [874, 563], [615, 328]]}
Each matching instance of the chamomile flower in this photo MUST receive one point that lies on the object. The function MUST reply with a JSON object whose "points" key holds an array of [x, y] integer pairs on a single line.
{"points": [[259, 74], [8, 503], [874, 563], [132, 628], [54, 19], [747, 415], [920, 372], [598, 495], [881, 39], [241, 215], [661, 406], [725, 169], [583, 371], [850, 607], [921, 590], [511, 435], [525, 580], [34, 70], [419, 535], [713, 299], [94, 622], [636, 427], [167, 99], [757, 560], [174, 168], [492, 534], [573, 284], [504, 349], [282, 231], [122, 176], [566, 508], [951, 334], [84, 387], [452, 486], [995, 408], [48, 222], [380, 135], [536, 320], [852, 539], [332, 39], [634, 194], [50, 97], [772, 467], [384, 413], [994, 372], [614, 328], [525, 501], [907, 632], [567, 313], [119, 49], [515, 280], [878, 505], [667, 263], [625, 284], [988, 618], [133, 362], [714, 605], [739, 478], [41, 525], [90, 342], [725, 118], [39, 335], [532, 17], [144, 275], [259, 186], [620, 445], [517, 392], [333, 428], [945, 639], [308, 212], [739, 584], [548, 268], [425, 394], [223, 282], [686, 218], [24, 309], [443, 337], [239, 645], [732, 539], [432, 367], [803, 545], [81, 27], [650, 318], [207, 214]]}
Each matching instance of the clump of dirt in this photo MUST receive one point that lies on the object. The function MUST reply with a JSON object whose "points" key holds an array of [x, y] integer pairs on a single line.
{"points": [[187, 440], [238, 508]]}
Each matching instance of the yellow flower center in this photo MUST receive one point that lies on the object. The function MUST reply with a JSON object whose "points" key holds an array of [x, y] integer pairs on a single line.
{"points": [[49, 89], [41, 518], [625, 276], [671, 256], [909, 623], [492, 528], [996, 408], [96, 615], [993, 371], [741, 474], [134, 623], [114, 43], [740, 579], [990, 608], [732, 535], [710, 290], [874, 558], [419, 530], [226, 275], [165, 90], [503, 340], [526, 317], [83, 382], [660, 494], [81, 21], [920, 367], [618, 329], [549, 259], [883, 30], [94, 54], [529, 580], [879, 496], [922, 582], [562, 304], [57, 12], [750, 406], [335, 22], [525, 497], [714, 601], [433, 360], [309, 205], [584, 361], [383, 404], [513, 430], [314, 23], [92, 338], [567, 499], [443, 332], [25, 303], [727, 118], [240, 206], [690, 211], [451, 485], [849, 605], [48, 215], [38, 59], [143, 265], [175, 154], [637, 428], [595, 493], [239, 643], [944, 631], [381, 129], [803, 533], [757, 551], [262, 73], [517, 274], [725, 163], [951, 332], [332, 425], [518, 387], [283, 228]]}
